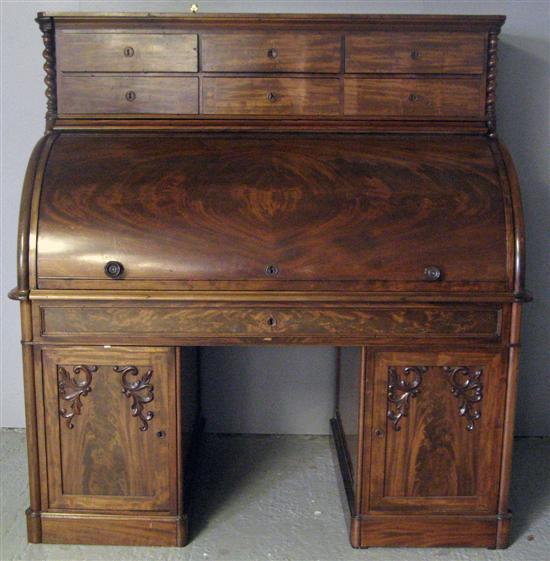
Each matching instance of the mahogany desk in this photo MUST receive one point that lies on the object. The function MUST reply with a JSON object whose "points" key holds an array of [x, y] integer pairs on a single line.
{"points": [[270, 180]]}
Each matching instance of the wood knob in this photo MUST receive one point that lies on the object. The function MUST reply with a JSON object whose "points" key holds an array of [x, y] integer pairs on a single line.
{"points": [[432, 273], [114, 269]]}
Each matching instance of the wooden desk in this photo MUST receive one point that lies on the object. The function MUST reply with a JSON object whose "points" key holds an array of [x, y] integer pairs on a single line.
{"points": [[270, 180]]}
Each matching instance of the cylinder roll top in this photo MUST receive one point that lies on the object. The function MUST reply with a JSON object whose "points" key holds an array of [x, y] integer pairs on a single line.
{"points": [[317, 211]]}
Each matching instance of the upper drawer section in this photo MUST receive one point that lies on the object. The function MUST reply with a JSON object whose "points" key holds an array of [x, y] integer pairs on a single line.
{"points": [[270, 52], [415, 52], [126, 52]]}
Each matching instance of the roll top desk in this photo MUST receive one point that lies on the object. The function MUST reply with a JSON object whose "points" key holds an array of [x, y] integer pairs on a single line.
{"points": [[270, 180]]}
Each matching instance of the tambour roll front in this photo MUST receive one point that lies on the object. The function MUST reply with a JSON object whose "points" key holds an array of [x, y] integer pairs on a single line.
{"points": [[270, 180]]}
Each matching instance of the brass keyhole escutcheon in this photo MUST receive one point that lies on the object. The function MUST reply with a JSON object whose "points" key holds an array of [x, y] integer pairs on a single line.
{"points": [[413, 97], [272, 270], [415, 54], [271, 321], [130, 95], [128, 51], [272, 54]]}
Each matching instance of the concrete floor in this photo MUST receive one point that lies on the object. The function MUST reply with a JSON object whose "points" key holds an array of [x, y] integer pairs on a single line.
{"points": [[275, 498]]}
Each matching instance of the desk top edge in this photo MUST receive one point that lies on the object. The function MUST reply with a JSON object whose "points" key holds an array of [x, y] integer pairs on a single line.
{"points": [[407, 19]]}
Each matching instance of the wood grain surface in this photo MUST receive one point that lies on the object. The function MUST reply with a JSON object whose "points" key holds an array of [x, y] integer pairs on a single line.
{"points": [[106, 461], [270, 52], [225, 208], [432, 462], [89, 94], [415, 52], [108, 51], [270, 96], [131, 320], [414, 97]]}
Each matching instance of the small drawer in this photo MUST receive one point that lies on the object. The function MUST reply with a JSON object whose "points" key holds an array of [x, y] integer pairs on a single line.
{"points": [[127, 94], [126, 52], [414, 97], [271, 96], [416, 52], [270, 52]]}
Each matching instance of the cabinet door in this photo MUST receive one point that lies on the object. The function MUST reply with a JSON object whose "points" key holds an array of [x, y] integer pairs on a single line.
{"points": [[110, 419], [437, 431]]}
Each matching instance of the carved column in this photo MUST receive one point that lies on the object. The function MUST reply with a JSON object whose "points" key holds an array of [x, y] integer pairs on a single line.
{"points": [[492, 84], [48, 37]]}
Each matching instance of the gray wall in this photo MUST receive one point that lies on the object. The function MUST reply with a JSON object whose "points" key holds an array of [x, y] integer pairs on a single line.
{"points": [[298, 381]]}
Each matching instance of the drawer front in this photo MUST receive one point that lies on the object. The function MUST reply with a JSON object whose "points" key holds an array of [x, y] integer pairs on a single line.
{"points": [[270, 52], [416, 52], [126, 52], [271, 96], [128, 94], [414, 97], [138, 320]]}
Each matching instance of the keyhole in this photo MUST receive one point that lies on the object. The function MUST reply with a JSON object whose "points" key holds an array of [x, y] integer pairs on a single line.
{"points": [[271, 270], [128, 51], [415, 54], [131, 95], [271, 321], [161, 434], [413, 97]]}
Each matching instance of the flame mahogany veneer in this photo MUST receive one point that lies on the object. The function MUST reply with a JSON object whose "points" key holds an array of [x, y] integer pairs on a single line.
{"points": [[270, 180]]}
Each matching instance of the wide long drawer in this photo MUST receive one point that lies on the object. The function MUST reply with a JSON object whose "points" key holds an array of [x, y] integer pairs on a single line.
{"points": [[126, 52], [133, 320], [128, 94], [271, 96], [414, 97]]}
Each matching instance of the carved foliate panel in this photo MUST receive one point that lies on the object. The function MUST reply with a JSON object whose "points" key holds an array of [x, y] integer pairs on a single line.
{"points": [[403, 385], [466, 385], [73, 389], [139, 390]]}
